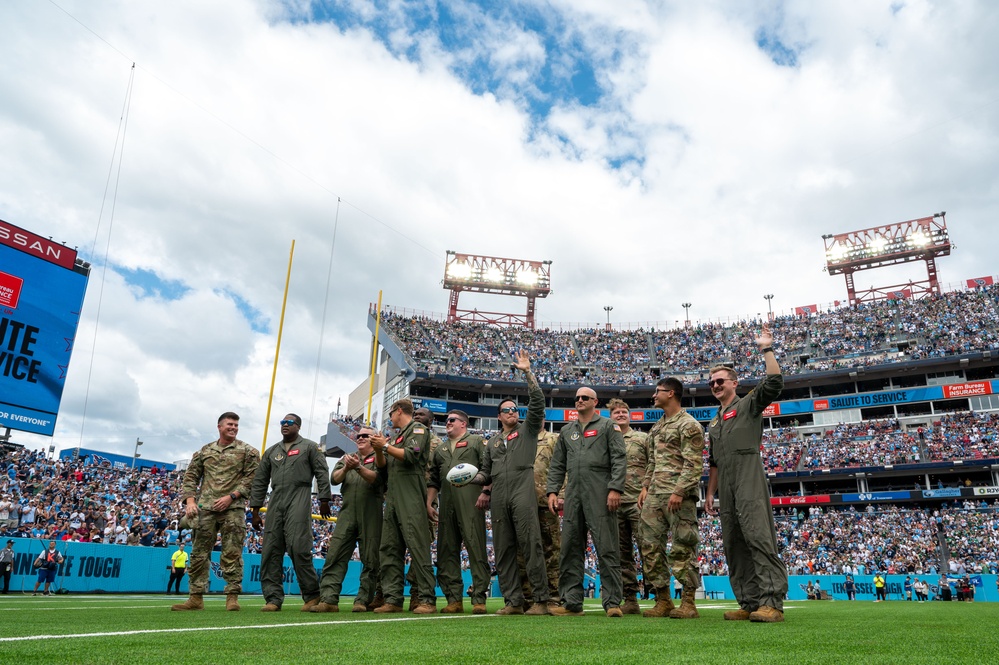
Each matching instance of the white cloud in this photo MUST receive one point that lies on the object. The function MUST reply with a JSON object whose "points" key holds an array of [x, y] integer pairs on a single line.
{"points": [[244, 128]]}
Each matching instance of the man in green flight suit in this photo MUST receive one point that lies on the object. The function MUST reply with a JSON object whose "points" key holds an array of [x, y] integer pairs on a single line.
{"points": [[289, 468], [508, 464], [669, 502], [404, 524], [756, 572], [458, 519], [222, 470], [359, 522], [424, 417], [591, 451]]}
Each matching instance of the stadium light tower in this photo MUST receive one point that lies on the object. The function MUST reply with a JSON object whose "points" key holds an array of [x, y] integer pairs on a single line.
{"points": [[499, 276], [770, 309], [608, 309], [686, 309], [136, 453], [921, 239]]}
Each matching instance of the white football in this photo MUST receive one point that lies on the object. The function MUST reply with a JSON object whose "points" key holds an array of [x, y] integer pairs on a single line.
{"points": [[461, 474]]}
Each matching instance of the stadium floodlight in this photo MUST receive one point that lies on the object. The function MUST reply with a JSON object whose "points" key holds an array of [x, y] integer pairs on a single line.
{"points": [[921, 239], [499, 276]]}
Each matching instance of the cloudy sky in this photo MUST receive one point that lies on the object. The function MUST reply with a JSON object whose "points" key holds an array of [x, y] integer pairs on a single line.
{"points": [[655, 152]]}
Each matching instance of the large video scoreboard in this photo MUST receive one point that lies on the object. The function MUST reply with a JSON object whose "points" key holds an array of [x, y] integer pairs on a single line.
{"points": [[41, 296]]}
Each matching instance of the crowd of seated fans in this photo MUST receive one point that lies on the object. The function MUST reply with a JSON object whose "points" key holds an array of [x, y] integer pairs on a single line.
{"points": [[867, 334]]}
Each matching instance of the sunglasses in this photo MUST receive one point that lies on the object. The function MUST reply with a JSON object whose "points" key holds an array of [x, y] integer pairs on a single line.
{"points": [[717, 382], [584, 398], [288, 423], [459, 420], [363, 436], [509, 409]]}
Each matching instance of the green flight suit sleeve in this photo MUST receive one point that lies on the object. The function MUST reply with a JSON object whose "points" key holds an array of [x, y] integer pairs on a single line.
{"points": [[320, 471], [765, 392], [556, 469], [435, 470], [261, 479], [535, 405], [618, 459]]}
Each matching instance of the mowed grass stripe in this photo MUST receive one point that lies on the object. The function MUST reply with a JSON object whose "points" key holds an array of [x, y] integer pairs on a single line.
{"points": [[815, 632]]}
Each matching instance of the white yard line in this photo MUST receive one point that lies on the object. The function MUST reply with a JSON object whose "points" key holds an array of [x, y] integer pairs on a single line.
{"points": [[202, 629]]}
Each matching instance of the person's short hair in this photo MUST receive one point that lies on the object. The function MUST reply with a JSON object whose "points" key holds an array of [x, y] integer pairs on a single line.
{"points": [[228, 415], [724, 368], [297, 418], [461, 414], [617, 404], [503, 401], [672, 383], [404, 404]]}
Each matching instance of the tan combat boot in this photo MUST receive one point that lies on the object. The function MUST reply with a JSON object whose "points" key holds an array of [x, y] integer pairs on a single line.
{"points": [[414, 602], [767, 614], [630, 606], [376, 602], [321, 607], [425, 608], [662, 608], [508, 610], [479, 608], [737, 615], [232, 602], [687, 609], [457, 607], [388, 609], [358, 607], [194, 602]]}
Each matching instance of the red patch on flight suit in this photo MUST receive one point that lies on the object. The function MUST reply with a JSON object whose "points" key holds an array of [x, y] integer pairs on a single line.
{"points": [[729, 415], [398, 441], [369, 460], [590, 432], [513, 436], [292, 453], [461, 444]]}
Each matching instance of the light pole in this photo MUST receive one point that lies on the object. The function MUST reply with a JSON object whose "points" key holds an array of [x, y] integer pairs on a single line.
{"points": [[686, 309], [135, 453], [770, 309], [608, 308]]}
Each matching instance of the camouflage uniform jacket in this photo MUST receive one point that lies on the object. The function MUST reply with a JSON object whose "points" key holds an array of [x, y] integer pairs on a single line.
{"points": [[636, 447], [543, 460], [221, 470], [434, 442], [676, 456]]}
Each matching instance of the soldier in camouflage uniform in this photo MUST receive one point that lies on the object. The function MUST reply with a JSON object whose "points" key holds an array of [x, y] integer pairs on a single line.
{"points": [[359, 522], [423, 416], [224, 470], [669, 502], [629, 515], [551, 534], [756, 572], [289, 468], [405, 519]]}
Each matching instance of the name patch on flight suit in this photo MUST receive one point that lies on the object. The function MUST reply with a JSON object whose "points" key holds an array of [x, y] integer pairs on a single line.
{"points": [[369, 460], [513, 436], [461, 444], [292, 453], [398, 440], [590, 432], [729, 415]]}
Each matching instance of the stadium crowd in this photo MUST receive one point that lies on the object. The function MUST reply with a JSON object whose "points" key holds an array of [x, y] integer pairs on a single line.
{"points": [[80, 501], [864, 335]]}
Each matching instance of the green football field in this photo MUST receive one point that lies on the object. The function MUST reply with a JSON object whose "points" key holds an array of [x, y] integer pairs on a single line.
{"points": [[142, 629]]}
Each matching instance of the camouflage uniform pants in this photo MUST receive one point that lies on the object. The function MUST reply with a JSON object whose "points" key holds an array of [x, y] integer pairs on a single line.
{"points": [[551, 544], [232, 525], [629, 524], [657, 525]]}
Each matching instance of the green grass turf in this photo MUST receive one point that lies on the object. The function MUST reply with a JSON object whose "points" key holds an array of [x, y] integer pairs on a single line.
{"points": [[815, 632]]}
